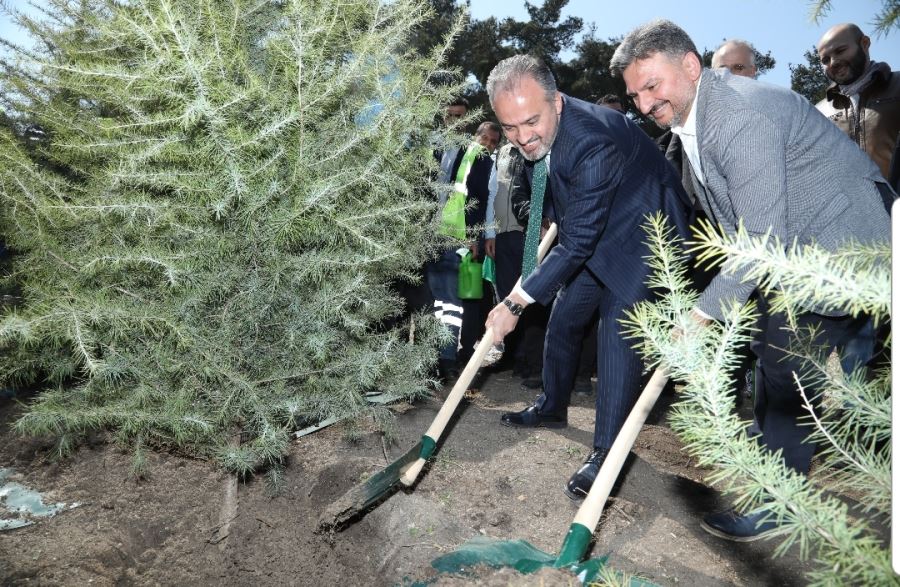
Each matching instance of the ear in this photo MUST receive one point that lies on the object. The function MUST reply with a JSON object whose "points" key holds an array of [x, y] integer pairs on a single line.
{"points": [[691, 64], [558, 103], [865, 42]]}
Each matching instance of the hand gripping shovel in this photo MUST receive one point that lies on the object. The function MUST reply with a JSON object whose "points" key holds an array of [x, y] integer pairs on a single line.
{"points": [[526, 558], [406, 469]]}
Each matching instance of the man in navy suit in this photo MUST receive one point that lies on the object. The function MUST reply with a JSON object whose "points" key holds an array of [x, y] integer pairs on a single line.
{"points": [[604, 177]]}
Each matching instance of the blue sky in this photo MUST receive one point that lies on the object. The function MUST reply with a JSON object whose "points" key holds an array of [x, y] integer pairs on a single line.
{"points": [[780, 26]]}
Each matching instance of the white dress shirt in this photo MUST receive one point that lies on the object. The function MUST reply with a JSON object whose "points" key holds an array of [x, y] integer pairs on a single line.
{"points": [[688, 135]]}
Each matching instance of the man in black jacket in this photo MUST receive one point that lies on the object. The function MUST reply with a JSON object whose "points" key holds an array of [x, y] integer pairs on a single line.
{"points": [[864, 98]]}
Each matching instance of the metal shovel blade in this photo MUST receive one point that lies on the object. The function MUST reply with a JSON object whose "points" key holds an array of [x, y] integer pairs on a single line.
{"points": [[364, 494]]}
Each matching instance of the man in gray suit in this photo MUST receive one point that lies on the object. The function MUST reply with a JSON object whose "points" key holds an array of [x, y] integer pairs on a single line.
{"points": [[757, 154]]}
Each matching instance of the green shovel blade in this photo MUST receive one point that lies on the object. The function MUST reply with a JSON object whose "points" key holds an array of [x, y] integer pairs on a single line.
{"points": [[526, 558], [364, 494]]}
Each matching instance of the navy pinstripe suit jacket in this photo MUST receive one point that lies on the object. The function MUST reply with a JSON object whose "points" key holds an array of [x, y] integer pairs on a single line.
{"points": [[606, 176]]}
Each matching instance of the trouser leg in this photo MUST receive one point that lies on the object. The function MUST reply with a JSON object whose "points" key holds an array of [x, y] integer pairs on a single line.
{"points": [[443, 280], [574, 305], [779, 408], [619, 372]]}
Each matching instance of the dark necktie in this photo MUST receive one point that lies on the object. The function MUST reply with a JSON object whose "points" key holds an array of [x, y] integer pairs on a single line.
{"points": [[535, 215]]}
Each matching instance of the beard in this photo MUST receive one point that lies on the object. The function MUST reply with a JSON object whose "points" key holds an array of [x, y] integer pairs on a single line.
{"points": [[543, 148], [855, 68], [663, 125], [681, 107]]}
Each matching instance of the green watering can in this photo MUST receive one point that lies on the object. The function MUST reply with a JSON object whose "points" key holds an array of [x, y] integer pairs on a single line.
{"points": [[470, 286]]}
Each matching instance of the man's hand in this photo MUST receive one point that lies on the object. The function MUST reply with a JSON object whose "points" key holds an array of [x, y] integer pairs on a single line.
{"points": [[502, 320], [545, 226], [701, 320], [490, 247]]}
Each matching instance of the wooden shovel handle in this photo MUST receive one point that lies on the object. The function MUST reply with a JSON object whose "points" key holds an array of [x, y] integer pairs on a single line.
{"points": [[589, 513], [450, 404], [411, 473]]}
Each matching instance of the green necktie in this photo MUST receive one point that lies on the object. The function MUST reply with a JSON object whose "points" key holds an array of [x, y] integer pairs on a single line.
{"points": [[535, 215]]}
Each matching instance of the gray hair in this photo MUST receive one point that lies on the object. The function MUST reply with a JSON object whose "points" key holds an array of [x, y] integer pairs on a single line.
{"points": [[736, 43], [507, 74], [656, 36]]}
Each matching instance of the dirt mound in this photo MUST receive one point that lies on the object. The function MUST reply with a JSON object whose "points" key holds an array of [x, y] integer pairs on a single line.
{"points": [[188, 523]]}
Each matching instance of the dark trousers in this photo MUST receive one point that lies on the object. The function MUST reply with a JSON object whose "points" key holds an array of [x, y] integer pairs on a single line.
{"points": [[442, 275], [779, 408], [474, 316], [619, 367], [508, 247]]}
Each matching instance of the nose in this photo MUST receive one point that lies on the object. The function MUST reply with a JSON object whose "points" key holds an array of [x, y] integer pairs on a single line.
{"points": [[642, 104], [522, 139]]}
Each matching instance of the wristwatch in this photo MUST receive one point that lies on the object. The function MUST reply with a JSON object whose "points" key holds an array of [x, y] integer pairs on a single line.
{"points": [[514, 308]]}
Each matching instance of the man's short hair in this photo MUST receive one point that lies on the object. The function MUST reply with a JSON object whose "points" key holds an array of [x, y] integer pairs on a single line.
{"points": [[609, 99], [657, 36], [507, 74], [460, 101], [489, 125]]}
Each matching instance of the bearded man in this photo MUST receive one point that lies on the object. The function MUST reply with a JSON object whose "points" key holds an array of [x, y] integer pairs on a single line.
{"points": [[864, 98], [762, 157], [603, 177]]}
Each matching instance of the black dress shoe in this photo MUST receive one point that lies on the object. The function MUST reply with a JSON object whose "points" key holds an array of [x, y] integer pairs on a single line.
{"points": [[533, 383], [583, 386], [580, 483], [530, 417], [448, 372], [520, 369], [730, 525]]}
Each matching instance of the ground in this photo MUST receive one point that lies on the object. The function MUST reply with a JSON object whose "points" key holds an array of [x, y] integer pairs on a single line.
{"points": [[189, 523]]}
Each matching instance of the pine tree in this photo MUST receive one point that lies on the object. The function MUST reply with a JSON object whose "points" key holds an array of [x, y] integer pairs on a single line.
{"points": [[854, 428], [809, 80], [886, 21], [208, 211]]}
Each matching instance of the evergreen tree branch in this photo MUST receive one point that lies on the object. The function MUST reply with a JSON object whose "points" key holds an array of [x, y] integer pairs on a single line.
{"points": [[847, 549]]}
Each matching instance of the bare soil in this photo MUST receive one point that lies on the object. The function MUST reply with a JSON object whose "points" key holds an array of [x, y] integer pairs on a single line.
{"points": [[189, 523]]}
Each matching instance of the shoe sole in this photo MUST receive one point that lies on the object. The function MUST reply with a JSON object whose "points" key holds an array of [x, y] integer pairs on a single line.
{"points": [[577, 498], [719, 534]]}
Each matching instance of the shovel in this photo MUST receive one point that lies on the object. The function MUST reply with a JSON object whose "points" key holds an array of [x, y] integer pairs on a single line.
{"points": [[406, 469], [526, 558]]}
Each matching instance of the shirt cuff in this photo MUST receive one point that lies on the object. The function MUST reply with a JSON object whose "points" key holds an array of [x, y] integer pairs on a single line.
{"points": [[518, 290], [702, 314]]}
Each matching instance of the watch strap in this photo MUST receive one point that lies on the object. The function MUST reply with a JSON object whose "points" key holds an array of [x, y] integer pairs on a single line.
{"points": [[514, 308]]}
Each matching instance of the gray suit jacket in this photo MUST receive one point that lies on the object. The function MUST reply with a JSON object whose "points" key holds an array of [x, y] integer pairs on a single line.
{"points": [[770, 159]]}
